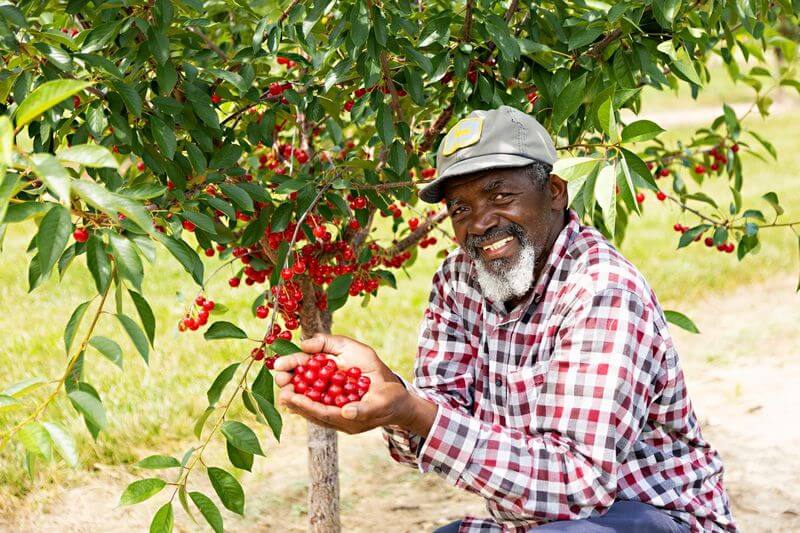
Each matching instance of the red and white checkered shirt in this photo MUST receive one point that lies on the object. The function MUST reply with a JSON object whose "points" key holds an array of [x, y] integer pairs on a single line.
{"points": [[570, 401]]}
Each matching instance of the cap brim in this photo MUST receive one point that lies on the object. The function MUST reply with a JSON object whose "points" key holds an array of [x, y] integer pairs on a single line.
{"points": [[432, 192]]}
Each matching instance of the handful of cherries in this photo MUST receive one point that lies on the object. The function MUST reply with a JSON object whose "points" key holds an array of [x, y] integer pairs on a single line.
{"points": [[323, 381]]}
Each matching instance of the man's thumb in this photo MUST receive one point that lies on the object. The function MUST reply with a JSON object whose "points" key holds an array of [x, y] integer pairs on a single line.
{"points": [[351, 411]]}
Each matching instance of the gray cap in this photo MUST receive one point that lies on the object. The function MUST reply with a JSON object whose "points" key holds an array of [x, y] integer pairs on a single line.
{"points": [[498, 138]]}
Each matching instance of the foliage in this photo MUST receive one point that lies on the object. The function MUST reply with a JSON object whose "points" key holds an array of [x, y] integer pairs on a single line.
{"points": [[255, 129]]}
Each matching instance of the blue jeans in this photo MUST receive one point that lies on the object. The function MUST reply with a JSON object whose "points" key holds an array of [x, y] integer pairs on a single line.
{"points": [[622, 517]]}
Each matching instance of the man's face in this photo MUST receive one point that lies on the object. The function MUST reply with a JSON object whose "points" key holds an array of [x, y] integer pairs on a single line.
{"points": [[502, 220]]}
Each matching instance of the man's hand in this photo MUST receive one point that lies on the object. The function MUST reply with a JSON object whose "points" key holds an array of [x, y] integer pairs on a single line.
{"points": [[386, 403]]}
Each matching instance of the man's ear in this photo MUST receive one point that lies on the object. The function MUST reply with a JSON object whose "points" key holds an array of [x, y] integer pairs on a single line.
{"points": [[558, 193]]}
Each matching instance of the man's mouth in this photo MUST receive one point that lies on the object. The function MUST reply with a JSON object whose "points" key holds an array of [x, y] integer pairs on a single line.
{"points": [[497, 248]]}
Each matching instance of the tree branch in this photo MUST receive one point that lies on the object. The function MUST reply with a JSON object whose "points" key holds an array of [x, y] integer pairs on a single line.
{"points": [[435, 129], [209, 43], [597, 50], [418, 234]]}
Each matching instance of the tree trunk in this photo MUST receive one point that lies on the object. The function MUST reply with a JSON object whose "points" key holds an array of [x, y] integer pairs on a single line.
{"points": [[323, 464]]}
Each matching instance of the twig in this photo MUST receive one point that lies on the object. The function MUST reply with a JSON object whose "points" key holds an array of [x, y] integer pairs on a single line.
{"points": [[415, 236], [597, 50], [209, 43]]}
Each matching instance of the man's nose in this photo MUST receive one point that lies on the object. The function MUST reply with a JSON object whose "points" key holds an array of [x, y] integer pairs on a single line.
{"points": [[483, 220]]}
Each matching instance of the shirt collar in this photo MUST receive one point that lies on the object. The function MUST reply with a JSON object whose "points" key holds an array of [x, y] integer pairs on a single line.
{"points": [[555, 257]]}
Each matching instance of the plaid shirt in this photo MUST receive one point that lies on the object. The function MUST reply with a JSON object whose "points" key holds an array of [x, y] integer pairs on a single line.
{"points": [[570, 401]]}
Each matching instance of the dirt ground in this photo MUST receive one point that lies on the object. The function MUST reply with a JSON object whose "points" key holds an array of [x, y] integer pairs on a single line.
{"points": [[743, 373]]}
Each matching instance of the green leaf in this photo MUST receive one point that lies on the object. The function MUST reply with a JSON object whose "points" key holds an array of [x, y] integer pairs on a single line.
{"points": [[36, 440], [641, 130], [73, 323], [98, 263], [689, 236], [140, 490], [164, 137], [572, 168], [158, 461], [263, 384], [359, 24], [137, 336], [284, 347], [6, 143], [340, 286], [145, 315], [225, 157], [52, 237], [215, 391], [163, 519], [238, 196], [90, 407], [605, 192], [20, 388], [772, 199], [108, 348], [641, 175], [281, 217], [202, 221], [130, 97], [384, 124], [88, 155], [185, 255], [681, 320], [224, 330], [127, 259], [228, 489], [605, 113], [63, 443], [7, 403], [271, 414], [44, 97], [241, 436], [568, 101], [208, 509], [684, 65], [54, 176], [8, 188], [239, 458]]}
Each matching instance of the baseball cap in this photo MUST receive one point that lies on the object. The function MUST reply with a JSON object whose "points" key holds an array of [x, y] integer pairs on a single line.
{"points": [[497, 138]]}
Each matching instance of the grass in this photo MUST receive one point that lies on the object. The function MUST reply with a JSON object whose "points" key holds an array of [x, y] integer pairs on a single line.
{"points": [[154, 407]]}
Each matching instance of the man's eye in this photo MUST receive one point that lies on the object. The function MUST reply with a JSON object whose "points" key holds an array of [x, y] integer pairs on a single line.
{"points": [[500, 196]]}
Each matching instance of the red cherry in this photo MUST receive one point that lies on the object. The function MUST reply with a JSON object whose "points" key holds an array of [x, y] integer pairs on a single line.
{"points": [[285, 335], [215, 98], [661, 195], [76, 101], [348, 105], [234, 282], [709, 242], [140, 166], [80, 235], [413, 223], [664, 172], [354, 372], [472, 76], [287, 274], [188, 225], [269, 362], [262, 312], [328, 399], [640, 197], [340, 400], [353, 397], [319, 232], [209, 305], [428, 172], [714, 166], [257, 354], [677, 227], [699, 169], [300, 388], [338, 378], [209, 252], [730, 247], [735, 148]]}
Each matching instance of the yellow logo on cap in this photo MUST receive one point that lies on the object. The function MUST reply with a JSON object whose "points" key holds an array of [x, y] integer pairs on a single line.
{"points": [[466, 132]]}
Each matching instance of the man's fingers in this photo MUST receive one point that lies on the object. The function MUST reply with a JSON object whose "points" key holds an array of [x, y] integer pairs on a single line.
{"points": [[287, 363], [282, 378], [332, 344]]}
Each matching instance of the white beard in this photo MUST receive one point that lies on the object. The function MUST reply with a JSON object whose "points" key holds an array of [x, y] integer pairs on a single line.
{"points": [[512, 282]]}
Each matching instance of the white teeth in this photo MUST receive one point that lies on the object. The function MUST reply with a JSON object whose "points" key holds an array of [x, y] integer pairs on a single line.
{"points": [[499, 244]]}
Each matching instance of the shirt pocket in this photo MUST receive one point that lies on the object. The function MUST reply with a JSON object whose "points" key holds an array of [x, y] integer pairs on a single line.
{"points": [[523, 388]]}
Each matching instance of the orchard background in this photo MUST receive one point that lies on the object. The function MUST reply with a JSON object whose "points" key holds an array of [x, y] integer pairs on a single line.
{"points": [[154, 152]]}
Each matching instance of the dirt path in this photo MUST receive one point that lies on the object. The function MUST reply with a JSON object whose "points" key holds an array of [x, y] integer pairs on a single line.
{"points": [[742, 373]]}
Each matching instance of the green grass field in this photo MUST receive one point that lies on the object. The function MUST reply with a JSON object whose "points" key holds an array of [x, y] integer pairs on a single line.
{"points": [[154, 408]]}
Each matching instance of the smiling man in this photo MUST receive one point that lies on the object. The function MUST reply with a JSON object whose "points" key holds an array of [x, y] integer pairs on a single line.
{"points": [[546, 379]]}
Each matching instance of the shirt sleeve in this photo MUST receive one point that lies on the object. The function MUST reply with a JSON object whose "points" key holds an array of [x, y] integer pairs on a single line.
{"points": [[444, 368], [585, 413]]}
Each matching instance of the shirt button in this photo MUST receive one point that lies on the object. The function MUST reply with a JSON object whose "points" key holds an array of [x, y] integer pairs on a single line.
{"points": [[498, 382]]}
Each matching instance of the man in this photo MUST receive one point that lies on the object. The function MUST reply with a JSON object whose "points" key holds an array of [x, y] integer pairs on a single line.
{"points": [[546, 379]]}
